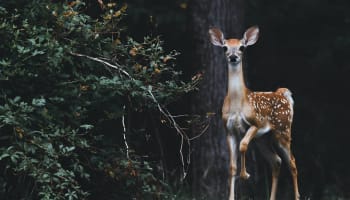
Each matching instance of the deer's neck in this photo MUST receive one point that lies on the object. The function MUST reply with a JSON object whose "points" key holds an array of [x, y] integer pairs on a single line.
{"points": [[237, 90]]}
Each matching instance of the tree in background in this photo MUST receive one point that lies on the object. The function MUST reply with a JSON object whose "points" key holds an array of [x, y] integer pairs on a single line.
{"points": [[210, 160]]}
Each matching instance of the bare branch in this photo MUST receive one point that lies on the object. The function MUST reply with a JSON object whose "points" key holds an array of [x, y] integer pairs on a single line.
{"points": [[178, 129], [124, 135], [200, 134], [184, 139], [104, 62]]}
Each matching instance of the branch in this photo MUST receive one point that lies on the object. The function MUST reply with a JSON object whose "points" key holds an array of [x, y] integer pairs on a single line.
{"points": [[105, 63], [171, 118], [124, 135], [178, 129]]}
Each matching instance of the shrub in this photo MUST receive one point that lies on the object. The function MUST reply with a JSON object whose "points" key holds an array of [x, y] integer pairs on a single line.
{"points": [[69, 85]]}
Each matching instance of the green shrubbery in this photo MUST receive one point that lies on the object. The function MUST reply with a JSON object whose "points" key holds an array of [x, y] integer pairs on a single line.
{"points": [[65, 80]]}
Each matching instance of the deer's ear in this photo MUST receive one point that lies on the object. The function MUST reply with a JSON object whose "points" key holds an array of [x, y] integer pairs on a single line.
{"points": [[216, 37], [251, 35]]}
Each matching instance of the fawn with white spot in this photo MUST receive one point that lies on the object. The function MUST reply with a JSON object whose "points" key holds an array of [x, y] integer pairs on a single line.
{"points": [[263, 112]]}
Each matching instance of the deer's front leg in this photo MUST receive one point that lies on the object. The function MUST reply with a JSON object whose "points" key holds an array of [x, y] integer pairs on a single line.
{"points": [[243, 148], [233, 151]]}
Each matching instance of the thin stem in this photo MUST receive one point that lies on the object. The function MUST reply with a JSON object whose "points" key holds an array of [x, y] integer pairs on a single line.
{"points": [[124, 135], [178, 129], [117, 67]]}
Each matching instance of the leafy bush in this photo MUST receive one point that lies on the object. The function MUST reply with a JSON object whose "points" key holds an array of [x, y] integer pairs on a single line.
{"points": [[69, 84]]}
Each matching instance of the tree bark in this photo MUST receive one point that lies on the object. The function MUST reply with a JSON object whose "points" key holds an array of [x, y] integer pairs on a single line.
{"points": [[210, 154]]}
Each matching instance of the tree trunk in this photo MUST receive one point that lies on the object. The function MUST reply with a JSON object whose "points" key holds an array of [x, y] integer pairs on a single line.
{"points": [[210, 155]]}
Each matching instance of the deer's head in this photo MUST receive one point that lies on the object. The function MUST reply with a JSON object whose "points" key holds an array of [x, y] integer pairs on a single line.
{"points": [[234, 47]]}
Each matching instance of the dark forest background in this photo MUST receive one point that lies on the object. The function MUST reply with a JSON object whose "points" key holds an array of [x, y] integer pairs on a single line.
{"points": [[303, 45]]}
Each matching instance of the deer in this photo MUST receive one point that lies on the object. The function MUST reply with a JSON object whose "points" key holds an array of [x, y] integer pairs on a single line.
{"points": [[260, 112]]}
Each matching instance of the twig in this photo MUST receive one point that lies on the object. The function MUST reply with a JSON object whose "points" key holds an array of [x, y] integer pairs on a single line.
{"points": [[184, 115], [163, 111], [183, 135], [124, 135], [104, 62], [200, 134]]}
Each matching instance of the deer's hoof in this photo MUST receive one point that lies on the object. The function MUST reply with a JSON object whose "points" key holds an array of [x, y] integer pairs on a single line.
{"points": [[244, 175]]}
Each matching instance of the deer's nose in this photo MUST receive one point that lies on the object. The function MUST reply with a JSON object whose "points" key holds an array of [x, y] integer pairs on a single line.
{"points": [[233, 58]]}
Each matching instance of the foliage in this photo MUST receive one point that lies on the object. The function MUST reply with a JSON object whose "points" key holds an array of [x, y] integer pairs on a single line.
{"points": [[66, 80]]}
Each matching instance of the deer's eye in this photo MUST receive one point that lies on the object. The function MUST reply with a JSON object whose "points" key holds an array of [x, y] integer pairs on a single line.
{"points": [[241, 48], [224, 48]]}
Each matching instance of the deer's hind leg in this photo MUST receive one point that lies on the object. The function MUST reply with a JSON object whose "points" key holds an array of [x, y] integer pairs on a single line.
{"points": [[284, 143], [265, 147]]}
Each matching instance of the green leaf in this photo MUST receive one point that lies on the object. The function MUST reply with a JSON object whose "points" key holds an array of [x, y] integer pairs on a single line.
{"points": [[87, 126], [16, 99], [36, 52], [39, 102], [4, 63], [5, 155]]}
